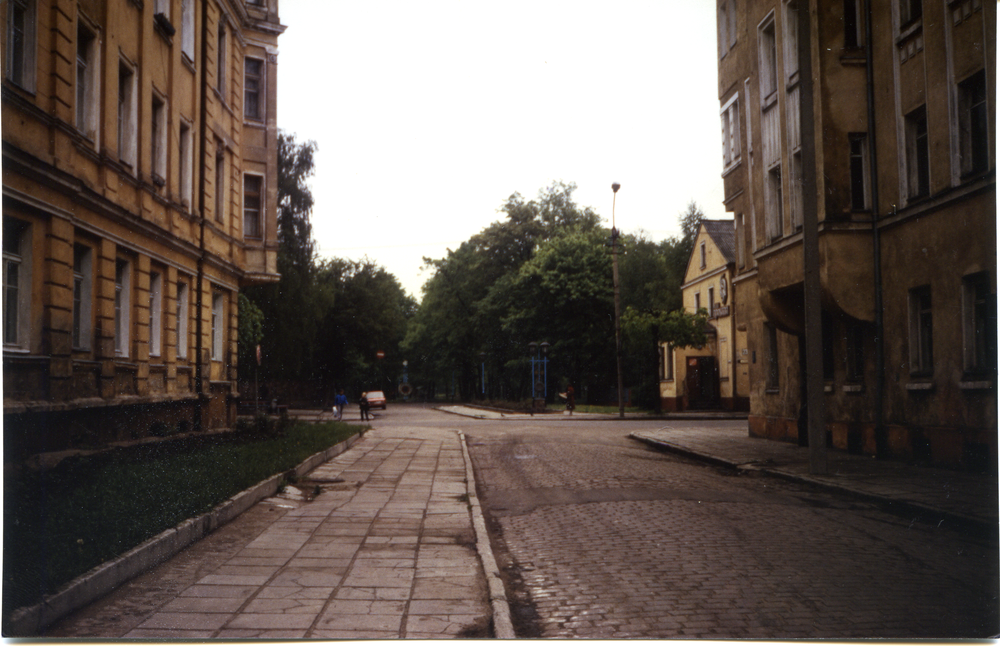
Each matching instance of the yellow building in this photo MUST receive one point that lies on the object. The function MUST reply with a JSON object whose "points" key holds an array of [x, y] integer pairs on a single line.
{"points": [[874, 120], [139, 195], [714, 376]]}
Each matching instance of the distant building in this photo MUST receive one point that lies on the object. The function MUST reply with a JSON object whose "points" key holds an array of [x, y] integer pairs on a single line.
{"points": [[139, 196], [715, 376], [900, 130]]}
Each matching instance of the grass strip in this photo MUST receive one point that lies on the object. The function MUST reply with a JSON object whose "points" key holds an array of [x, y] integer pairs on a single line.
{"points": [[60, 523]]}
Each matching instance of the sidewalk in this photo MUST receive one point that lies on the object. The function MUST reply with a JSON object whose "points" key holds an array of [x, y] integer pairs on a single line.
{"points": [[393, 546], [957, 496]]}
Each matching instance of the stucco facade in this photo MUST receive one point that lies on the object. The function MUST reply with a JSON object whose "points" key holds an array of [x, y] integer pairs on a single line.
{"points": [[139, 195], [715, 376], [897, 119]]}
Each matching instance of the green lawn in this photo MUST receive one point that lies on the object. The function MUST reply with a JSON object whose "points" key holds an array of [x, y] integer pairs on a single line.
{"points": [[61, 523]]}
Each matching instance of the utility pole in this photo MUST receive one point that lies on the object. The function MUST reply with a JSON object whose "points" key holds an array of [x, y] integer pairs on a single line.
{"points": [[618, 308], [811, 285]]}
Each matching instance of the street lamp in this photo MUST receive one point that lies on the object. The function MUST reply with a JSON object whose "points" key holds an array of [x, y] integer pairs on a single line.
{"points": [[482, 360], [539, 369], [618, 310]]}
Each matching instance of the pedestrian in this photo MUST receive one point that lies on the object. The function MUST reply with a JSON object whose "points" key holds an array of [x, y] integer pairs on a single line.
{"points": [[338, 405], [363, 405], [570, 399]]}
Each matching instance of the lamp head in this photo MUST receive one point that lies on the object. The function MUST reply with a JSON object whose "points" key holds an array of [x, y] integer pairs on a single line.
{"points": [[615, 187]]}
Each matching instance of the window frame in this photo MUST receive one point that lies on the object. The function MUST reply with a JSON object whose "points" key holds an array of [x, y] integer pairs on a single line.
{"points": [[918, 175], [260, 114], [921, 338], [123, 307], [183, 314], [87, 80], [220, 183], [17, 292], [767, 51], [259, 219], [790, 40], [858, 171], [854, 32], [21, 61], [155, 314], [83, 296], [159, 126], [973, 125], [222, 59], [127, 115], [218, 324], [187, 29], [186, 163], [979, 329], [732, 144]]}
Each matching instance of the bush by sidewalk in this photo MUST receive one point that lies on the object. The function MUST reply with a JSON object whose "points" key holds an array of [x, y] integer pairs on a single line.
{"points": [[60, 523]]}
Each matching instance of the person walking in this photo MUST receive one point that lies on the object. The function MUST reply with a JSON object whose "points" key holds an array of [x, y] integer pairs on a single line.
{"points": [[363, 405], [338, 405]]}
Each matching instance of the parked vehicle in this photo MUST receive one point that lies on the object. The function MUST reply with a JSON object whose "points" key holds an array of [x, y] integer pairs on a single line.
{"points": [[376, 399]]}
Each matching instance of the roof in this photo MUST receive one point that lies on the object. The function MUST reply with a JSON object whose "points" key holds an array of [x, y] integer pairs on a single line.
{"points": [[723, 234]]}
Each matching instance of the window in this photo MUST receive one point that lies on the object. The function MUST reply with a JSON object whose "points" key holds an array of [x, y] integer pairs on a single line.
{"points": [[86, 82], [221, 60], [82, 297], [667, 357], [859, 171], [711, 300], [771, 339], [21, 43], [909, 11], [917, 154], [253, 89], [979, 324], [256, 3], [973, 127], [218, 323], [855, 348], [126, 114], [122, 303], [220, 182], [252, 206], [921, 332], [773, 203], [731, 133], [158, 140], [727, 26], [163, 7], [187, 28], [854, 25], [697, 302], [791, 38], [186, 154], [701, 249], [182, 320], [16, 283], [768, 63], [155, 314]]}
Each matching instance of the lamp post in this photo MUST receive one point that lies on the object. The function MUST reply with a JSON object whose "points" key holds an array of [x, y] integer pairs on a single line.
{"points": [[482, 361], [539, 365], [618, 314]]}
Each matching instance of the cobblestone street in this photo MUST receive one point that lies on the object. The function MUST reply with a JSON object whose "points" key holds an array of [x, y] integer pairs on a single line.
{"points": [[608, 539]]}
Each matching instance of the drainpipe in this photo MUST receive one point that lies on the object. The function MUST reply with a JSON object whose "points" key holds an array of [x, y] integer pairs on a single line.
{"points": [[881, 440], [199, 378]]}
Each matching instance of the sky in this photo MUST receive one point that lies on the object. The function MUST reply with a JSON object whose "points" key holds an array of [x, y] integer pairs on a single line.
{"points": [[428, 115]]}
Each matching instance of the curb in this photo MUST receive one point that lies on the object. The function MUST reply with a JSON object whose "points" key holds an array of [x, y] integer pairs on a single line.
{"points": [[32, 620], [897, 506], [594, 417], [502, 625]]}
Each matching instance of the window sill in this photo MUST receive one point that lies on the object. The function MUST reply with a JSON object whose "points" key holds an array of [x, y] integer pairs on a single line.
{"points": [[771, 391], [853, 388], [920, 386], [164, 27], [828, 388], [971, 384], [731, 167], [908, 30]]}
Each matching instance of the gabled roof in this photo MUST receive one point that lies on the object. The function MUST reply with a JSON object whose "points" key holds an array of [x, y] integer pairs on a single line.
{"points": [[723, 234]]}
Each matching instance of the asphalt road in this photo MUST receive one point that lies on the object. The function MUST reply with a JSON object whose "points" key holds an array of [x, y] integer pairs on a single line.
{"points": [[601, 537]]}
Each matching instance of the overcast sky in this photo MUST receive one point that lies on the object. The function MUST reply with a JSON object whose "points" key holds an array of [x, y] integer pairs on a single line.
{"points": [[429, 114]]}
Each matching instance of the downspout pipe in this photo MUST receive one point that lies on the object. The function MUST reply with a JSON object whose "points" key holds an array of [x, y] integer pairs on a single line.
{"points": [[881, 440], [199, 377]]}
